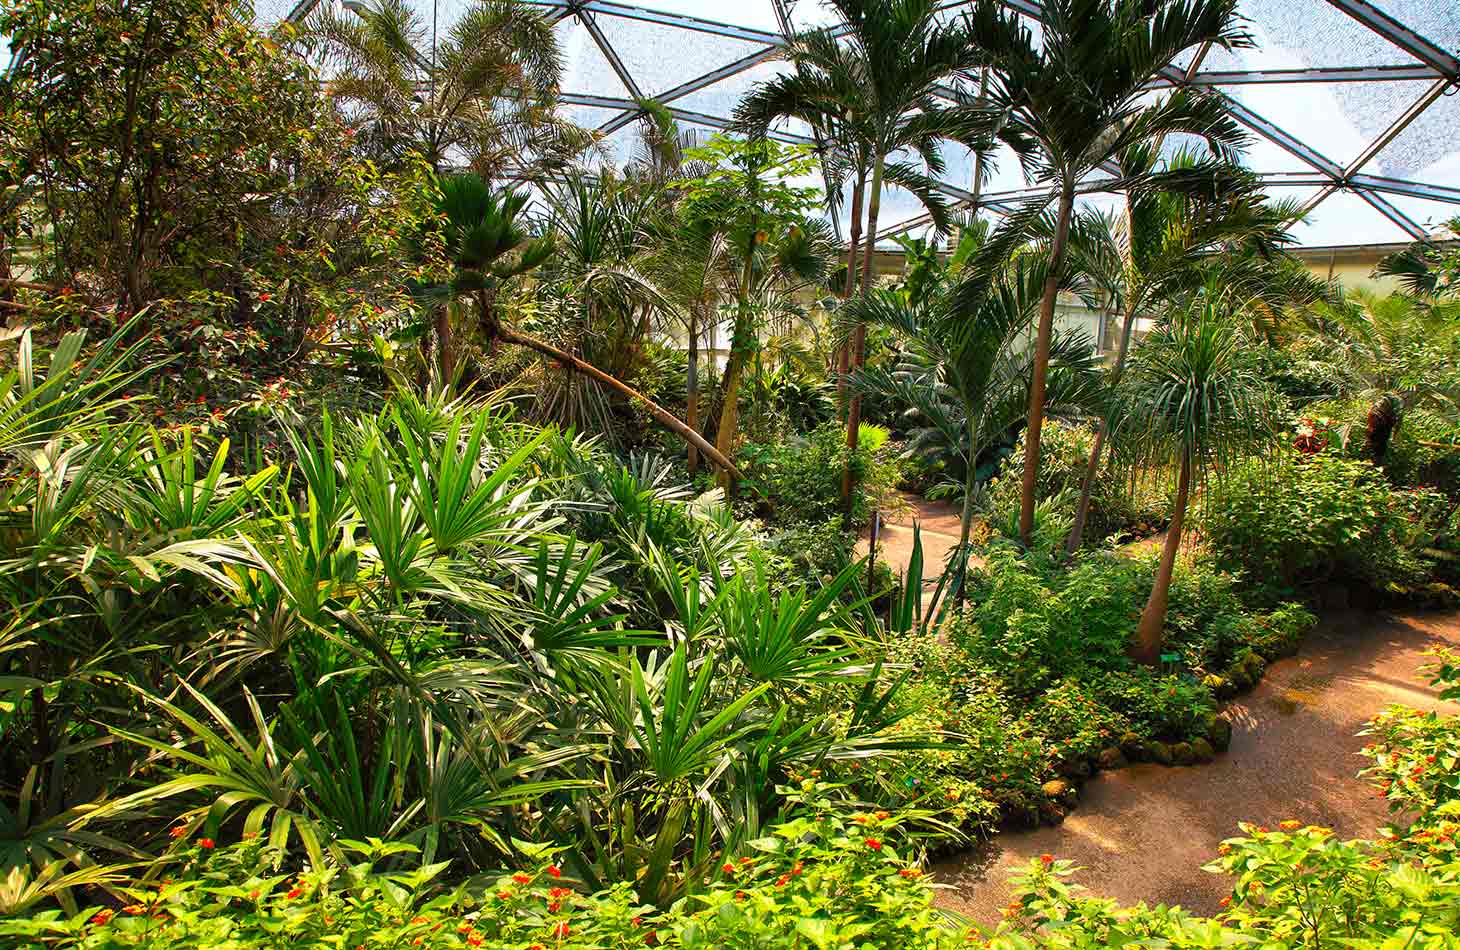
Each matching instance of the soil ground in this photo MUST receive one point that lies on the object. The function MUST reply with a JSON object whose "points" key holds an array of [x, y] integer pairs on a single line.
{"points": [[1143, 832]]}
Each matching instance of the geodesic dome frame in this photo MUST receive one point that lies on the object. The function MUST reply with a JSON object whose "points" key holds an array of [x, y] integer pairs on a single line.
{"points": [[1354, 106]]}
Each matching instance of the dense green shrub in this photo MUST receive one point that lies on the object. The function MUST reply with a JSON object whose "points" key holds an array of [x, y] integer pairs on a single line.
{"points": [[800, 479], [1118, 502], [1298, 519]]}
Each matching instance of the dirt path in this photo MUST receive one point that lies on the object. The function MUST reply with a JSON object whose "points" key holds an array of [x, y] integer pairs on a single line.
{"points": [[939, 521], [1142, 833]]}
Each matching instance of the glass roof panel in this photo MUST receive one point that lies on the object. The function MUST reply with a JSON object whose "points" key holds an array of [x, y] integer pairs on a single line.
{"points": [[1436, 20], [585, 69], [1431, 216], [1337, 119], [721, 97], [661, 57], [1341, 218], [756, 14], [1295, 34], [1428, 149]]}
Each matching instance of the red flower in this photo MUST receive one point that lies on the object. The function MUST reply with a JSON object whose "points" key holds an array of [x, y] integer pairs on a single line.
{"points": [[1225, 901], [782, 880], [294, 893], [503, 895], [521, 878], [638, 921], [264, 298], [728, 868], [101, 918], [177, 832], [206, 844], [562, 930], [134, 909], [874, 844], [1048, 859], [474, 939], [555, 871]]}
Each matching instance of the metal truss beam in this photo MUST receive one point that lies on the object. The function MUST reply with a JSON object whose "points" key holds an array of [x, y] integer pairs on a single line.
{"points": [[1248, 77], [682, 21], [1409, 189], [611, 54], [698, 118], [1416, 45], [698, 83], [1382, 205]]}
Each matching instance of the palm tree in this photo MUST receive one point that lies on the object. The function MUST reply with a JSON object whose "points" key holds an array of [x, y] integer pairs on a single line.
{"points": [[870, 81], [1076, 100], [484, 244], [1176, 218], [967, 369], [1393, 353], [1191, 400], [484, 93]]}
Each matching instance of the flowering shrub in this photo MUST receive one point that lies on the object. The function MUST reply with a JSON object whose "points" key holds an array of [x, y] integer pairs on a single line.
{"points": [[1303, 519], [822, 879]]}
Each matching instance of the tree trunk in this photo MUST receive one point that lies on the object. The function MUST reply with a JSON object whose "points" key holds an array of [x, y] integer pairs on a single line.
{"points": [[658, 412], [1041, 361], [844, 352], [692, 387], [443, 342], [1092, 467], [741, 340], [1147, 646], [858, 344], [970, 479], [1383, 419]]}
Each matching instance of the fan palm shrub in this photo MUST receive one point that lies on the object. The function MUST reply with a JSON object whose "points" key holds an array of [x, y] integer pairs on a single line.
{"points": [[1191, 400], [484, 92], [1074, 101], [1389, 353]]}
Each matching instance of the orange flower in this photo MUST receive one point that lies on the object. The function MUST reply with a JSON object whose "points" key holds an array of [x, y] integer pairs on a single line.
{"points": [[1290, 825], [1048, 859], [562, 930], [134, 909], [503, 895], [728, 868], [177, 832], [559, 892], [911, 874], [883, 816], [555, 871], [1225, 901], [874, 844], [521, 878], [101, 918], [474, 939]]}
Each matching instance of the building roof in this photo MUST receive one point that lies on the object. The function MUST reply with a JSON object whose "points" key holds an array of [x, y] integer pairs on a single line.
{"points": [[1354, 105]]}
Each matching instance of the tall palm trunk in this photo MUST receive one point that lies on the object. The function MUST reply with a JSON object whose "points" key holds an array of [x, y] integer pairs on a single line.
{"points": [[741, 341], [692, 386], [1147, 646], [859, 341], [446, 353], [1092, 467], [1041, 360], [844, 352]]}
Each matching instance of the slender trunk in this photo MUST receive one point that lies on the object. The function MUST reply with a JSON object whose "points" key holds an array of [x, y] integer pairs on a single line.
{"points": [[1092, 467], [741, 341], [859, 342], [970, 479], [1147, 646], [1041, 361], [443, 342], [661, 414], [692, 387], [843, 356]]}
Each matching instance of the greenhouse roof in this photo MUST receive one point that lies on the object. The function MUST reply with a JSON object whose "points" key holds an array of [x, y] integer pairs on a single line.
{"points": [[1353, 106]]}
